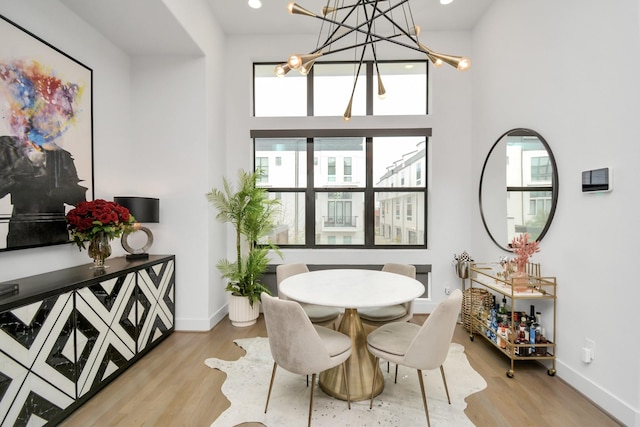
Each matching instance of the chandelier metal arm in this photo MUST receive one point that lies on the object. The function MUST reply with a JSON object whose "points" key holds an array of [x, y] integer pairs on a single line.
{"points": [[379, 39], [351, 28], [384, 15], [372, 11]]}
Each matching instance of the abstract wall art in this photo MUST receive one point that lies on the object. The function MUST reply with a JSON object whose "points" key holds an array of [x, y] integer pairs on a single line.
{"points": [[46, 138]]}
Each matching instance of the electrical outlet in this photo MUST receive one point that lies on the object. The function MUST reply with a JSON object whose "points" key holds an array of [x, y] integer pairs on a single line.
{"points": [[447, 291], [591, 346]]}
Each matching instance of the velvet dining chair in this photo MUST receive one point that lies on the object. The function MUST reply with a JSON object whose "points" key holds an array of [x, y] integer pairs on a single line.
{"points": [[318, 314], [377, 316], [420, 347], [301, 347]]}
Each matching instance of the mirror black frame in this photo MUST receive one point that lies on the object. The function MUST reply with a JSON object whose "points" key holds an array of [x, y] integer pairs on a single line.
{"points": [[554, 185]]}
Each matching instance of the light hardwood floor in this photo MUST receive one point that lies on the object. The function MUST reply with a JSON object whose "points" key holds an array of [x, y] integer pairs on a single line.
{"points": [[171, 386]]}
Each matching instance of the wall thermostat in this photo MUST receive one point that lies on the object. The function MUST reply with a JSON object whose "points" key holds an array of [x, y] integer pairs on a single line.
{"points": [[596, 180]]}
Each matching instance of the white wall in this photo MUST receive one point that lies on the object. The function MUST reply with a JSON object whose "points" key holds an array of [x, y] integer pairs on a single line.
{"points": [[449, 150], [569, 71], [205, 165], [158, 131]]}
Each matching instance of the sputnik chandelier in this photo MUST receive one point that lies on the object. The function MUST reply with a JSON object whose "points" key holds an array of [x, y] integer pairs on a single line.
{"points": [[359, 26]]}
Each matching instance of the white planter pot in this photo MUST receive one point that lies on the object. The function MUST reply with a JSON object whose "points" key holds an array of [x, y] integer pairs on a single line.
{"points": [[240, 311]]}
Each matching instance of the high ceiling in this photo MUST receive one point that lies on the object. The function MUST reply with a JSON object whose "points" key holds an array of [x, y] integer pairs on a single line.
{"points": [[146, 27], [236, 17]]}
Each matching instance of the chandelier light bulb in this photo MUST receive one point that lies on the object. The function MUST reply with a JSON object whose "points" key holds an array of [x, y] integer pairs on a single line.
{"points": [[464, 64], [281, 70], [295, 61], [255, 4], [445, 1], [306, 67], [415, 30]]}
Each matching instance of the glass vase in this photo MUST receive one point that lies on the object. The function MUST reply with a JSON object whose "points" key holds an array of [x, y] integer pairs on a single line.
{"points": [[520, 278], [99, 250]]}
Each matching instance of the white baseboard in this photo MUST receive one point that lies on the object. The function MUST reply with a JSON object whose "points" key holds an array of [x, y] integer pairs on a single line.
{"points": [[423, 306], [201, 325], [621, 411]]}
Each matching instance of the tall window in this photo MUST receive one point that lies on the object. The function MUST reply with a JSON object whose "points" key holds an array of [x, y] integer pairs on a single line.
{"points": [[345, 187], [406, 80], [375, 208]]}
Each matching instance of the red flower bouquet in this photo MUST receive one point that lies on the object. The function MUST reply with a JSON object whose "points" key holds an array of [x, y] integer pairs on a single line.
{"points": [[88, 219]]}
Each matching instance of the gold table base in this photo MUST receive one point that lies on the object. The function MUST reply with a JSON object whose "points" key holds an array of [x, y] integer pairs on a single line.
{"points": [[360, 365]]}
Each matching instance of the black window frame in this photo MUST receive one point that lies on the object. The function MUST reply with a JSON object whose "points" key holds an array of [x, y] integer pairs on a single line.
{"points": [[369, 189], [369, 67]]}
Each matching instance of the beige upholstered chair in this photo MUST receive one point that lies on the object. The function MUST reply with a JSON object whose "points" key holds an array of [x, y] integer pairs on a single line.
{"points": [[419, 347], [301, 347], [377, 316], [318, 314]]}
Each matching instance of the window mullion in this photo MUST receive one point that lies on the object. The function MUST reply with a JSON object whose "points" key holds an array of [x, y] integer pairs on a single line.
{"points": [[310, 198]]}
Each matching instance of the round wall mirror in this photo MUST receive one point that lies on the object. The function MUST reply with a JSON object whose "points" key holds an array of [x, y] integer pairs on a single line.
{"points": [[518, 187]]}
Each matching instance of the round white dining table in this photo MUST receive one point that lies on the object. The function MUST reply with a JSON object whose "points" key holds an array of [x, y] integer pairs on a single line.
{"points": [[352, 289]]}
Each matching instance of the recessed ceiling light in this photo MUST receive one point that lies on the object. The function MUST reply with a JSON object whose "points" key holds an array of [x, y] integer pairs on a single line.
{"points": [[445, 1], [256, 4]]}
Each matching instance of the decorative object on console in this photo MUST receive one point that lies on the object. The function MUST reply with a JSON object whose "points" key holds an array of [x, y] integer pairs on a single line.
{"points": [[524, 249], [97, 222], [461, 264], [144, 209], [347, 22]]}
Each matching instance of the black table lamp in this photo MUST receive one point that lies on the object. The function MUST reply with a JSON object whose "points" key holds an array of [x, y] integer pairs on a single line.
{"points": [[144, 209]]}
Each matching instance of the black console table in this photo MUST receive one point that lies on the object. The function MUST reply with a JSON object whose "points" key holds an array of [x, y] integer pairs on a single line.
{"points": [[68, 333]]}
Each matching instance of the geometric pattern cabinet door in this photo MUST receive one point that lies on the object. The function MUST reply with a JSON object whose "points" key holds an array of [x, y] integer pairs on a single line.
{"points": [[37, 368], [156, 303], [68, 333], [105, 330]]}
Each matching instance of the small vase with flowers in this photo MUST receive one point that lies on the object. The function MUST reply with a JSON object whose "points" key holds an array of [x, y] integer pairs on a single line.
{"points": [[98, 222], [523, 249]]}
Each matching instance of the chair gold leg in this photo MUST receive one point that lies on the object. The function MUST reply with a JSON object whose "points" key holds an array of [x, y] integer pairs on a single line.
{"points": [[424, 397], [373, 384], [395, 380], [273, 375], [346, 384], [313, 382], [444, 380]]}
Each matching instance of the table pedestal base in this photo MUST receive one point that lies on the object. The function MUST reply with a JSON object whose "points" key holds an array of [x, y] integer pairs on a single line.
{"points": [[360, 366]]}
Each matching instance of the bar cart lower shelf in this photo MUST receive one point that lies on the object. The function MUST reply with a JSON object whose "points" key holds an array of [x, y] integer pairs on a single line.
{"points": [[539, 355], [506, 335]]}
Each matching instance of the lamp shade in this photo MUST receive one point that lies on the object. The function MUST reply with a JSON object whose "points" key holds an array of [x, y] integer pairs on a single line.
{"points": [[144, 209]]}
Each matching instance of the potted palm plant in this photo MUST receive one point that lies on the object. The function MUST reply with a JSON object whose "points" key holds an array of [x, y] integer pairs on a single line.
{"points": [[248, 208]]}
